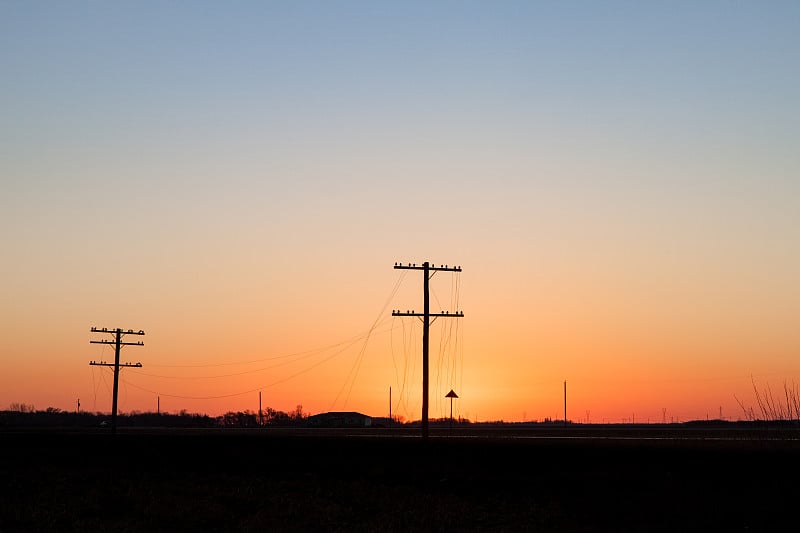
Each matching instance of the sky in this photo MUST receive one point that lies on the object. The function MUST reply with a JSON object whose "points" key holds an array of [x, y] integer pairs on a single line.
{"points": [[619, 181]]}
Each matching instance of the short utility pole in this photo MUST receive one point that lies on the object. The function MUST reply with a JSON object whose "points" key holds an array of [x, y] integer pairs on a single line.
{"points": [[118, 344], [426, 322]]}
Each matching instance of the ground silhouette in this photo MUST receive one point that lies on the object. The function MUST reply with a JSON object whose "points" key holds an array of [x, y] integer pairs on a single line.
{"points": [[297, 480]]}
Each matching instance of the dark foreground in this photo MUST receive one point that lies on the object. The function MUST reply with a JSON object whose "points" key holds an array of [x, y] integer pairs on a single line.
{"points": [[267, 481]]}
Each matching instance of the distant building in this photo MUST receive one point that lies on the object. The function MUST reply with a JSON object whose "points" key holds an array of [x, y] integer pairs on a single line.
{"points": [[339, 420]]}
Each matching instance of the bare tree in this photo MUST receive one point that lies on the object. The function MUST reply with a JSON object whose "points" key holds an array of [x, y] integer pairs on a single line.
{"points": [[771, 409], [21, 407]]}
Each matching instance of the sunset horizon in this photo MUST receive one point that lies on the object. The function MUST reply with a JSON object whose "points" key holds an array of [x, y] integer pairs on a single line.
{"points": [[618, 182]]}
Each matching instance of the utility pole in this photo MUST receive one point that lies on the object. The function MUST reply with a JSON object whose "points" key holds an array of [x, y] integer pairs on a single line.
{"points": [[565, 404], [426, 315], [118, 344], [260, 412]]}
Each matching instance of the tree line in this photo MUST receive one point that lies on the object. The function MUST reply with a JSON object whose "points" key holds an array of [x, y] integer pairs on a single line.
{"points": [[25, 415]]}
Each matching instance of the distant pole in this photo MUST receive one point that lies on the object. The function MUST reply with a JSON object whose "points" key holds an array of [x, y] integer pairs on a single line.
{"points": [[79, 405], [565, 403], [426, 315], [158, 405], [260, 415], [118, 344], [390, 407], [451, 414]]}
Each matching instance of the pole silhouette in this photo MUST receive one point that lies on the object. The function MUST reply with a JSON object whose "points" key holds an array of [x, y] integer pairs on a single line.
{"points": [[426, 315], [118, 344]]}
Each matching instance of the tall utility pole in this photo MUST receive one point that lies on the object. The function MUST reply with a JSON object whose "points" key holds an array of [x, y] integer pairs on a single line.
{"points": [[118, 344], [426, 323], [565, 404]]}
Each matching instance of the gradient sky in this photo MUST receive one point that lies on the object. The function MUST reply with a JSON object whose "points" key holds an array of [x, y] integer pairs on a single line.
{"points": [[620, 182]]}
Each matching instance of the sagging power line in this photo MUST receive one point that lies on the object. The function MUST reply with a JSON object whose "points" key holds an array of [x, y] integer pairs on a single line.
{"points": [[287, 359]]}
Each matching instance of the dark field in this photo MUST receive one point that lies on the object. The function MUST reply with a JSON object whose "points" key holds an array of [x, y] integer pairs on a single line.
{"points": [[264, 480]]}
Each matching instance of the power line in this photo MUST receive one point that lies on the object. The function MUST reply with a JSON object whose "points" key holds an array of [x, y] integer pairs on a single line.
{"points": [[220, 396], [403, 397], [309, 353], [242, 393], [360, 358], [299, 356], [345, 345]]}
